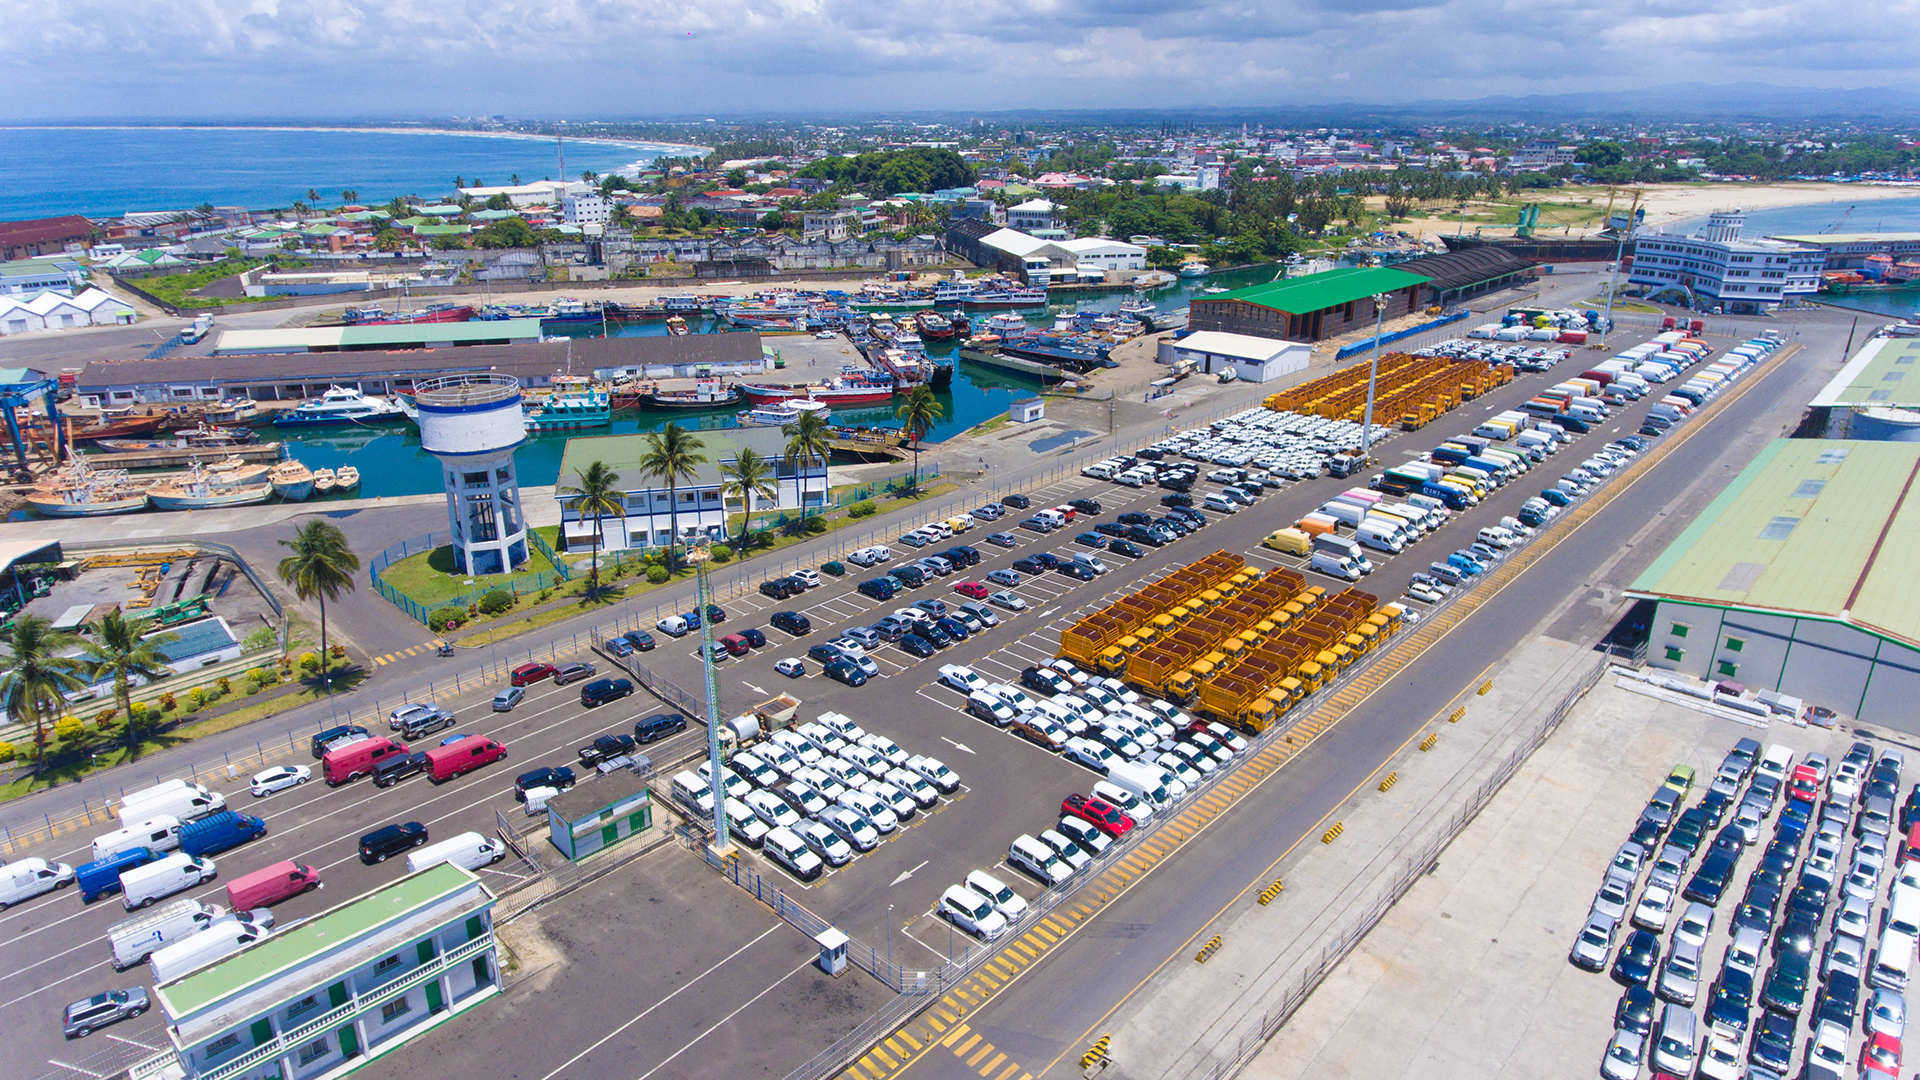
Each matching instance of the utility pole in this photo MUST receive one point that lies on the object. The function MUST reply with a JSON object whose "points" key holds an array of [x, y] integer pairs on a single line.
{"points": [[1373, 373], [698, 556]]}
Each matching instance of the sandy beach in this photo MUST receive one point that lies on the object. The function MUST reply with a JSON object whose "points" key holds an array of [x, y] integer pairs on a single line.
{"points": [[1669, 204]]}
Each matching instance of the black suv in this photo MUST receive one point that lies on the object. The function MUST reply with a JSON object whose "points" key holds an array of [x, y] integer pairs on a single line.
{"points": [[1085, 506], [791, 621], [391, 840], [781, 588], [1178, 498], [390, 771], [559, 779], [604, 747], [911, 576], [659, 726], [333, 736], [601, 691], [961, 555], [1018, 502]]}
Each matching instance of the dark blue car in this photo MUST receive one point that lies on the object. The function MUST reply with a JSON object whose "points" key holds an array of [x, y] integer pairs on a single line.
{"points": [[1091, 539], [915, 645]]}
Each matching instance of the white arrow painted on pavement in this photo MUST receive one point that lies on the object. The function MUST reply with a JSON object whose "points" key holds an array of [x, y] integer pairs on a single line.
{"points": [[906, 875], [962, 747], [1046, 613], [753, 688]]}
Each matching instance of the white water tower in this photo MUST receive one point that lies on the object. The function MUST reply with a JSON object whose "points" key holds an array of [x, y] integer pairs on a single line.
{"points": [[472, 424]]}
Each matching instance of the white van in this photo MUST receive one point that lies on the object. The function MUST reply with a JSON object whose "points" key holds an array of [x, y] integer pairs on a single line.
{"points": [[28, 878], [1145, 782], [1893, 961], [468, 850], [1334, 566], [1775, 762], [184, 803], [159, 833], [216, 942], [1038, 859], [142, 885], [1379, 536], [1053, 518], [1903, 910], [1123, 800], [133, 940], [783, 847], [694, 794]]}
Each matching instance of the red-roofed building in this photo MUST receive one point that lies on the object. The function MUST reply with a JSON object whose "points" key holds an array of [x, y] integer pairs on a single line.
{"points": [[44, 236], [787, 193]]}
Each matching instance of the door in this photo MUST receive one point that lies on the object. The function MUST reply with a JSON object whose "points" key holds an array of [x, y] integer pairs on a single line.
{"points": [[434, 1001], [609, 834], [349, 1041]]}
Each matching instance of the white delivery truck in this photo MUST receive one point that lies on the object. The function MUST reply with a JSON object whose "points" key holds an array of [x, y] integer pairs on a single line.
{"points": [[468, 850], [1144, 782], [186, 802], [216, 942], [133, 940], [28, 878]]}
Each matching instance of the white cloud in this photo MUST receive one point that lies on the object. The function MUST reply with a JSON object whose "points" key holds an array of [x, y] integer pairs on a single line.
{"points": [[637, 57]]}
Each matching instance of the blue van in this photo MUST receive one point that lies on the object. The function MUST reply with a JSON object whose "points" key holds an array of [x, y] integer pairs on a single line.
{"points": [[218, 832], [102, 876], [878, 588]]}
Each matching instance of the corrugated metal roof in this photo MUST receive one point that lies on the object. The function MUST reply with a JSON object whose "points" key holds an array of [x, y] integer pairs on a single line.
{"points": [[1298, 296], [1877, 375], [1458, 269], [1846, 547]]}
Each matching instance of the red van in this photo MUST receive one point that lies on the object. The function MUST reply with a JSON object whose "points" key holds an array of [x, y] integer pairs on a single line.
{"points": [[1911, 849], [271, 885], [345, 764], [446, 762]]}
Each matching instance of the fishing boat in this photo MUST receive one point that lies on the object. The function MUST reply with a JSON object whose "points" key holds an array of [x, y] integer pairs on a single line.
{"points": [[111, 424], [1195, 269], [951, 293], [230, 411], [291, 480], [706, 394], [571, 409], [1006, 298], [1141, 309], [933, 326], [195, 490], [677, 326], [341, 405], [571, 311], [853, 386], [782, 413], [346, 478], [203, 436], [323, 481], [375, 315], [1006, 322], [78, 490], [233, 472]]}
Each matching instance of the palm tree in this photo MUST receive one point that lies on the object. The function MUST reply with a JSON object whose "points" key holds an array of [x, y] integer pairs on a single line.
{"points": [[600, 497], [321, 567], [36, 682], [919, 414], [349, 196], [673, 457], [749, 476], [313, 196], [809, 439], [122, 649]]}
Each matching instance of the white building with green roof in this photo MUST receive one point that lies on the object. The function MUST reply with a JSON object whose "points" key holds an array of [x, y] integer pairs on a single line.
{"points": [[1802, 577], [325, 996], [698, 507]]}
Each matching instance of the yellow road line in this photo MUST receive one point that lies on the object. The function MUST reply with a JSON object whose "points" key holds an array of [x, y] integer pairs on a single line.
{"points": [[987, 1069]]}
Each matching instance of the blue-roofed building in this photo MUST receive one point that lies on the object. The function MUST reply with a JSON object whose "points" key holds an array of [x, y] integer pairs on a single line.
{"points": [[207, 641]]}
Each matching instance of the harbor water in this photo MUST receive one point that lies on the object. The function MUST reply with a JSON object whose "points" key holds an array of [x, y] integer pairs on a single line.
{"points": [[391, 462], [1871, 216]]}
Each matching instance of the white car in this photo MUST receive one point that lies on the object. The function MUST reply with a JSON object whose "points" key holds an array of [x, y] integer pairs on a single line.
{"points": [[885, 747], [1089, 753], [865, 760], [797, 745], [1612, 900], [810, 578], [1696, 923], [1654, 909], [1010, 601], [989, 707], [1069, 669], [1021, 701], [972, 912], [1625, 1052], [1069, 852], [936, 773], [841, 725], [914, 785], [772, 809], [279, 778], [822, 781], [1090, 839], [1127, 694], [1004, 900], [961, 678], [1100, 698], [1721, 1058]]}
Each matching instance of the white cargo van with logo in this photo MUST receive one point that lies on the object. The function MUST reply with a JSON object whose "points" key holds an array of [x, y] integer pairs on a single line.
{"points": [[142, 885], [28, 878], [470, 851], [160, 834], [133, 940]]}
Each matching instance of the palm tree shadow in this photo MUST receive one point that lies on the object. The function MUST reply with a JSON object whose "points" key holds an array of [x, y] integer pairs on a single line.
{"points": [[345, 679]]}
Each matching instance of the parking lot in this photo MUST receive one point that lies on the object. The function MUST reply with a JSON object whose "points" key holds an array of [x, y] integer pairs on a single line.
{"points": [[1469, 973]]}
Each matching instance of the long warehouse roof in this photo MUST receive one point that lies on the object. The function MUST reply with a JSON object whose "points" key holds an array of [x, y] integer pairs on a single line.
{"points": [[377, 336], [1298, 296], [1883, 373], [1829, 529]]}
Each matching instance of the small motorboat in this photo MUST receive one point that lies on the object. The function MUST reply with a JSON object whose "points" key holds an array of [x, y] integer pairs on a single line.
{"points": [[324, 481], [346, 478]]}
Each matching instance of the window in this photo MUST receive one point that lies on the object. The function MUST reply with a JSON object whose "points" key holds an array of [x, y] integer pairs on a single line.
{"points": [[223, 1044], [1735, 644], [1809, 489], [1728, 668], [395, 1009], [1675, 655], [314, 1051], [386, 964], [311, 1001], [1679, 629], [1779, 528]]}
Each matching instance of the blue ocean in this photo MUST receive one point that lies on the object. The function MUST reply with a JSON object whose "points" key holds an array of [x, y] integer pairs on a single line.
{"points": [[107, 171]]}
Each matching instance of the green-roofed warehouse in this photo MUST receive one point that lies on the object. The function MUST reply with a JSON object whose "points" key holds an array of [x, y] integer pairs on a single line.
{"points": [[1872, 397], [320, 998], [1311, 308], [1802, 577]]}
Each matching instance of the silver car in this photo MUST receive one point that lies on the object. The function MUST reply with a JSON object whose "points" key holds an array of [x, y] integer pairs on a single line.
{"points": [[83, 1018], [1590, 949]]}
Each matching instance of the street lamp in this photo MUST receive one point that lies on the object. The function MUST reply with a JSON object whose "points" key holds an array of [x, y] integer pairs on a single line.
{"points": [[699, 555], [1373, 372]]}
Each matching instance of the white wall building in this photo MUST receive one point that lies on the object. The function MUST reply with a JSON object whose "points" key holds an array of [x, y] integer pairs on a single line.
{"points": [[1719, 269], [697, 507], [586, 208], [1254, 359], [1107, 254], [1032, 214], [57, 311]]}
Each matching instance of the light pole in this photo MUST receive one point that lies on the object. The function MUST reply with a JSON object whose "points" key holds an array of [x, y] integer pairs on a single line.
{"points": [[1373, 372], [1613, 281], [889, 935], [698, 556]]}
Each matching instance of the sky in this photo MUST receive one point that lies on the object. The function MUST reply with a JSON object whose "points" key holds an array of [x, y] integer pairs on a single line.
{"points": [[324, 59]]}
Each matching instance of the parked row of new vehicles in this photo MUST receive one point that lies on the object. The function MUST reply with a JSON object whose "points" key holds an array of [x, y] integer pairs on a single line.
{"points": [[1807, 938], [818, 794], [1286, 444]]}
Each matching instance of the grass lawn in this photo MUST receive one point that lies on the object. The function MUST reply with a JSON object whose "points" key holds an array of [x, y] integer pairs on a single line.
{"points": [[173, 288], [992, 425], [430, 577]]}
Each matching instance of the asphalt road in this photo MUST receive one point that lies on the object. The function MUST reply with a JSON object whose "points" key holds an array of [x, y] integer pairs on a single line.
{"points": [[53, 951]]}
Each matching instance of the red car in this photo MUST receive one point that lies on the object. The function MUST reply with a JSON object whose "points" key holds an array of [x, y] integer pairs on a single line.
{"points": [[1098, 813], [972, 590], [1065, 511], [1805, 785], [532, 673], [1881, 1056], [735, 644]]}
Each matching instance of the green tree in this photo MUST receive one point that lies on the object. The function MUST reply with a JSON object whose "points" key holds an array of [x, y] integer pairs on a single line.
{"points": [[809, 439], [1601, 154], [599, 496], [672, 457], [313, 196], [1164, 258], [736, 178], [121, 649], [35, 684], [349, 196], [513, 232], [321, 567], [921, 411], [749, 477], [499, 202]]}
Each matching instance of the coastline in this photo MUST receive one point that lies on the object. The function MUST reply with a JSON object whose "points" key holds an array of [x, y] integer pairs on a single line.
{"points": [[637, 144], [1673, 205]]}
